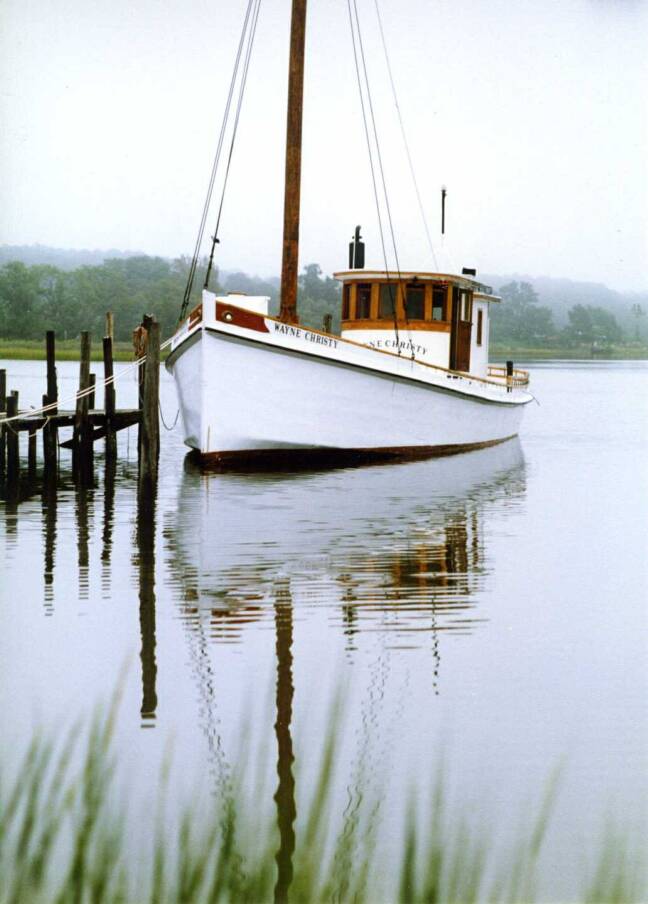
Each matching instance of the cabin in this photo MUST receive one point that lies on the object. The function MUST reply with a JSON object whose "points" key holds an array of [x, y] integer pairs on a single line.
{"points": [[436, 318]]}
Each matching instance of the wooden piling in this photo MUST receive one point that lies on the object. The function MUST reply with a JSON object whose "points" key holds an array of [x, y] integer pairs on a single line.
{"points": [[110, 324], [82, 444], [109, 396], [13, 447], [31, 453], [3, 409], [50, 430], [50, 442], [91, 397], [150, 423]]}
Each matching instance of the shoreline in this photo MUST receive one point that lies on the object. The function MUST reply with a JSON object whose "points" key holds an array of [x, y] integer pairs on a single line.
{"points": [[68, 350]]}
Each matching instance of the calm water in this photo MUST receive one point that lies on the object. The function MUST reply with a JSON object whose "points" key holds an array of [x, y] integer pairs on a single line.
{"points": [[488, 609]]}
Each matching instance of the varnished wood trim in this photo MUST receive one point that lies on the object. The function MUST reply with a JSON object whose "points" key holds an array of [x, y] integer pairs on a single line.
{"points": [[431, 326], [305, 459]]}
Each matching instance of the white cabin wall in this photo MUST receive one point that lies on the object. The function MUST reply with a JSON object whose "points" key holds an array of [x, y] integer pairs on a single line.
{"points": [[432, 347], [479, 353]]}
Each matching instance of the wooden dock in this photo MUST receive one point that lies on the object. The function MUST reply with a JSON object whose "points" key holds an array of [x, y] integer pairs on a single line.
{"points": [[89, 424]]}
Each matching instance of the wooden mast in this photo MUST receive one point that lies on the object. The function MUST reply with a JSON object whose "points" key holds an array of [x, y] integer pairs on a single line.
{"points": [[290, 259]]}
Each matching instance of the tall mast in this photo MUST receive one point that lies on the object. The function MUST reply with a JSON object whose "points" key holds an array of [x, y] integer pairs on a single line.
{"points": [[290, 259]]}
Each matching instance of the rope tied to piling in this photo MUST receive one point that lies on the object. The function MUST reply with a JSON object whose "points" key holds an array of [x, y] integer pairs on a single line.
{"points": [[80, 393]]}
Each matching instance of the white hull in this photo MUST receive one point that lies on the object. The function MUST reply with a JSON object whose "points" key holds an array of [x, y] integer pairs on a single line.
{"points": [[267, 388]]}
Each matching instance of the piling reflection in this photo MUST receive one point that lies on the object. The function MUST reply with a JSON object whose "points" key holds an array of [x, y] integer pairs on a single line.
{"points": [[285, 793], [145, 563], [49, 510]]}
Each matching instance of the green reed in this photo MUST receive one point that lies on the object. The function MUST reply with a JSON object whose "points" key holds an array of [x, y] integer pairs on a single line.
{"points": [[67, 836]]}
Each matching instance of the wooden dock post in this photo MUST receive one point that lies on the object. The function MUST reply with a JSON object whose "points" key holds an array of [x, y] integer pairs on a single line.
{"points": [[109, 395], [3, 409], [50, 430], [31, 453], [13, 446], [149, 444], [91, 397], [82, 446], [50, 442]]}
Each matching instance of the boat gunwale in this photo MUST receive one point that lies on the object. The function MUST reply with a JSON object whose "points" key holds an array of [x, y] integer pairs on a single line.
{"points": [[464, 375], [235, 337]]}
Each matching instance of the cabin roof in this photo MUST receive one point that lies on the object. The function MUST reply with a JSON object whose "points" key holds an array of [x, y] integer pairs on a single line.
{"points": [[420, 276]]}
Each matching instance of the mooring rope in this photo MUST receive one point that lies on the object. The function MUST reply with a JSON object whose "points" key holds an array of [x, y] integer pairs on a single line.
{"points": [[80, 393], [164, 423]]}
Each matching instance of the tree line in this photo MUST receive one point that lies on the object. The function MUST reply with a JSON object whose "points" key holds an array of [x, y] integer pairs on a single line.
{"points": [[42, 296]]}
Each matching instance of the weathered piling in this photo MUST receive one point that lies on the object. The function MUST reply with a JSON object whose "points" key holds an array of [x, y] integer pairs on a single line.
{"points": [[82, 439], [92, 396], [3, 408], [31, 453], [50, 430], [13, 447], [149, 442], [109, 394]]}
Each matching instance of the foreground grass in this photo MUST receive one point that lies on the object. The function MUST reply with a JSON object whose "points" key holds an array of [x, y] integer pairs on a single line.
{"points": [[63, 839]]}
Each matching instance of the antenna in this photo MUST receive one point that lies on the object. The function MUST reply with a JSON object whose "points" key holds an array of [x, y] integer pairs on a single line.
{"points": [[444, 192]]}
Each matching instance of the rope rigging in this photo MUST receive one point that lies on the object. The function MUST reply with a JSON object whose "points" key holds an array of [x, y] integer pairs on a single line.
{"points": [[355, 28], [404, 135], [371, 165], [251, 7], [246, 66]]}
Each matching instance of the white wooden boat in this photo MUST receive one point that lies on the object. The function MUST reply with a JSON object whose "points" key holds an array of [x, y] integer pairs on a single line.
{"points": [[408, 376]]}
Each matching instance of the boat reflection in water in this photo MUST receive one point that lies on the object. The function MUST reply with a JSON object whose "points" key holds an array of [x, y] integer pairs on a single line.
{"points": [[399, 546]]}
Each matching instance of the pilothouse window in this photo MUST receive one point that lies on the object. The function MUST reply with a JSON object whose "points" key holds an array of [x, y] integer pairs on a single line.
{"points": [[438, 302], [387, 303], [363, 301], [415, 301], [346, 298], [466, 307]]}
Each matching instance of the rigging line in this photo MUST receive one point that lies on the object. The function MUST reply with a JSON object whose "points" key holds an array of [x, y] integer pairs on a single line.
{"points": [[246, 66], [382, 170], [405, 141], [373, 173], [212, 178]]}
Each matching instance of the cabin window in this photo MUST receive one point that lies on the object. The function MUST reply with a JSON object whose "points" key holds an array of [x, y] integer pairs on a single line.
{"points": [[387, 303], [480, 326], [363, 301], [466, 307], [415, 302], [346, 301], [438, 302]]}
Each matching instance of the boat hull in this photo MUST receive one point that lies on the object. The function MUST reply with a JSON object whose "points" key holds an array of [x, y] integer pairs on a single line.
{"points": [[249, 401]]}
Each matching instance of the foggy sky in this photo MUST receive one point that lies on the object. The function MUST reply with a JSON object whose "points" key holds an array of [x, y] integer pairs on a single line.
{"points": [[532, 113]]}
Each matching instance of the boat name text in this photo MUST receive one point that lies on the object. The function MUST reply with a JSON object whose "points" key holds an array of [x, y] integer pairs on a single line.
{"points": [[298, 333], [401, 345]]}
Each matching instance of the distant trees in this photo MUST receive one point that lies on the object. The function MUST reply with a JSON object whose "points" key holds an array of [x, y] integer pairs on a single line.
{"points": [[592, 324], [40, 297], [519, 319]]}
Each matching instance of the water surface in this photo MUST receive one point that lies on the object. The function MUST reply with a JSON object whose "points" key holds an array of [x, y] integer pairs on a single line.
{"points": [[488, 608]]}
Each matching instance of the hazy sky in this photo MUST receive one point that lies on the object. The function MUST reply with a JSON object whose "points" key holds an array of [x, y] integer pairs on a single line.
{"points": [[532, 112]]}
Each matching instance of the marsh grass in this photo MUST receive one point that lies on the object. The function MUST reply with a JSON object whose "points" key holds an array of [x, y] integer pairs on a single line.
{"points": [[63, 838]]}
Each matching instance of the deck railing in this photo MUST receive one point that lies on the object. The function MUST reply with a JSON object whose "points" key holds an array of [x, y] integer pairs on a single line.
{"points": [[515, 378]]}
